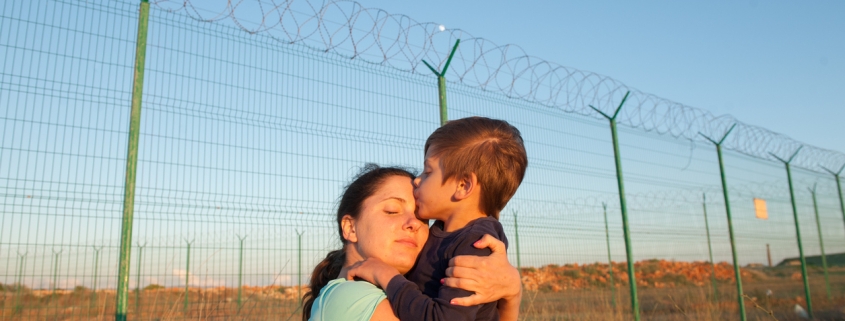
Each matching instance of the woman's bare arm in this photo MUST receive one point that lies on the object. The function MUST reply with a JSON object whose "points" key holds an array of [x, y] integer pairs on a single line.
{"points": [[384, 312]]}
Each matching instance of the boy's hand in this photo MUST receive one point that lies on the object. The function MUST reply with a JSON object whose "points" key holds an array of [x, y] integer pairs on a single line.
{"points": [[372, 270], [490, 277]]}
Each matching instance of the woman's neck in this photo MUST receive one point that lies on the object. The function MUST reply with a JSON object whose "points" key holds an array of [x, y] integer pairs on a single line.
{"points": [[343, 272], [352, 257]]}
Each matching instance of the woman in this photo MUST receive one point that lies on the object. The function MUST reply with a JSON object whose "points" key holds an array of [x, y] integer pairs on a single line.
{"points": [[376, 219]]}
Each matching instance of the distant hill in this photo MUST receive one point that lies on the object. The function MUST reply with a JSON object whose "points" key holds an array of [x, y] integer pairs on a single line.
{"points": [[837, 259], [650, 274]]}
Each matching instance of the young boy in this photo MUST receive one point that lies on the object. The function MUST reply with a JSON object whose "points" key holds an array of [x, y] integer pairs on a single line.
{"points": [[473, 167]]}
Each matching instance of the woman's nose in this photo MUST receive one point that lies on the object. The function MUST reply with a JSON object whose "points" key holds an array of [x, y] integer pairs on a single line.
{"points": [[417, 181], [412, 222]]}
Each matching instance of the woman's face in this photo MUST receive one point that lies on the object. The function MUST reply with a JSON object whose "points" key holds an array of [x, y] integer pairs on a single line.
{"points": [[387, 228]]}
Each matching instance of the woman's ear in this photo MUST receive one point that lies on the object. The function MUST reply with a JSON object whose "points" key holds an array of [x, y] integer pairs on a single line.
{"points": [[347, 225]]}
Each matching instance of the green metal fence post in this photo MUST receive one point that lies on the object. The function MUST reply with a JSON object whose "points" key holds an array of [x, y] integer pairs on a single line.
{"points": [[710, 249], [838, 189], [609, 260], [240, 270], [632, 280], [441, 83], [737, 275], [96, 275], [18, 307], [55, 282], [138, 280], [299, 262], [516, 233], [786, 163], [187, 276], [131, 164], [56, 270], [821, 241]]}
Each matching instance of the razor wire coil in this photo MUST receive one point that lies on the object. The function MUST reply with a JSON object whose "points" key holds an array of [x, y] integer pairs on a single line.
{"points": [[349, 29]]}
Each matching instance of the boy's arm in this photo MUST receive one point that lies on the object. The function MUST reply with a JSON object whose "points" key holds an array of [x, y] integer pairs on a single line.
{"points": [[491, 278], [410, 304], [372, 270], [408, 301]]}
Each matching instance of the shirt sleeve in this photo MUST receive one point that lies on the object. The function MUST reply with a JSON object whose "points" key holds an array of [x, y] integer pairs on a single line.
{"points": [[410, 304]]}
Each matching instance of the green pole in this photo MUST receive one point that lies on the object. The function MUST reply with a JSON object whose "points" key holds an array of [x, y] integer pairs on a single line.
{"points": [[710, 249], [737, 275], [516, 232], [838, 189], [187, 276], [56, 270], [18, 307], [55, 281], [138, 280], [821, 242], [441, 90], [632, 281], [609, 260], [786, 163], [441, 84], [299, 261], [131, 164], [240, 271], [96, 272]]}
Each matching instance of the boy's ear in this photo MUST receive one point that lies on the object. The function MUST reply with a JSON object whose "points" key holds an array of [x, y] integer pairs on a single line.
{"points": [[347, 225], [466, 187]]}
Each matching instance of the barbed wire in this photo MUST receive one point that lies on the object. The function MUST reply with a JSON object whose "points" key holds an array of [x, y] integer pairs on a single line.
{"points": [[373, 35]]}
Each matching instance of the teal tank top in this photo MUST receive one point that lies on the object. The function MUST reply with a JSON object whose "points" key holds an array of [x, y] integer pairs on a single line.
{"points": [[341, 299]]}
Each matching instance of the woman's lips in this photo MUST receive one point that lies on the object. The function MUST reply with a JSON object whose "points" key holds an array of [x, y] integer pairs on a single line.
{"points": [[408, 241]]}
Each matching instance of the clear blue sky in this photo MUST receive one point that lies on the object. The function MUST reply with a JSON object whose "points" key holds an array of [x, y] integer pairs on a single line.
{"points": [[775, 64]]}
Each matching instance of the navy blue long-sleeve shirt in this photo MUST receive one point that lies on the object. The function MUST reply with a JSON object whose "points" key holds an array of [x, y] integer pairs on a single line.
{"points": [[422, 297]]}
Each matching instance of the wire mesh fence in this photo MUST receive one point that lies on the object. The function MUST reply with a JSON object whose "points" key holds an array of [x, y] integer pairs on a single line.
{"points": [[256, 113]]}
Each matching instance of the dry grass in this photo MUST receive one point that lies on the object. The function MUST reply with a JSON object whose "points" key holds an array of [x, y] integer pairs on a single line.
{"points": [[555, 299], [258, 303]]}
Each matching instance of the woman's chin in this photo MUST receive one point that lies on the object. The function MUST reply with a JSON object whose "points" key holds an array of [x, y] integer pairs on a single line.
{"points": [[403, 266]]}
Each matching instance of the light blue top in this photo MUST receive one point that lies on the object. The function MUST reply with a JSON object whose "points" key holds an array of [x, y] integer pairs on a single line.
{"points": [[346, 300]]}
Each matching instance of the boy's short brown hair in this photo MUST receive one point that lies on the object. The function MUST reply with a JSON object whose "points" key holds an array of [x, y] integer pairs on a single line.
{"points": [[490, 148]]}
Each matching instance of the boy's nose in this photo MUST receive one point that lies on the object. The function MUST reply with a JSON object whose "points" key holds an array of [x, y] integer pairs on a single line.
{"points": [[417, 182]]}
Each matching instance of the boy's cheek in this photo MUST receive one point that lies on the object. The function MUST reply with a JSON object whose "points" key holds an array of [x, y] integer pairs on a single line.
{"points": [[423, 215]]}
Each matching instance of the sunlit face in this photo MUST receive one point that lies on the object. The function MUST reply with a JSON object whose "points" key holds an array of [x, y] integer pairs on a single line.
{"points": [[433, 196], [387, 228]]}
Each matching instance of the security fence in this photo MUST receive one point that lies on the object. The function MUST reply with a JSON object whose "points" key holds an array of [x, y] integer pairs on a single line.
{"points": [[182, 159]]}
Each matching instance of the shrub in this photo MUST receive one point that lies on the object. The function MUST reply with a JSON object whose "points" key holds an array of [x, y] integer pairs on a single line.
{"points": [[575, 274], [153, 287]]}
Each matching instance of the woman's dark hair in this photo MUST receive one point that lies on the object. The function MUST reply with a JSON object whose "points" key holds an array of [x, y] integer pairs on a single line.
{"points": [[362, 186]]}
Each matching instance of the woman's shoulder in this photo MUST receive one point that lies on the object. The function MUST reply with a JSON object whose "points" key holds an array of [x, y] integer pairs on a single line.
{"points": [[341, 286], [341, 299]]}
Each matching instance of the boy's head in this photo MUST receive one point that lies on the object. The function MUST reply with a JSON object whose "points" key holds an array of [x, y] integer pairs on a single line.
{"points": [[490, 149]]}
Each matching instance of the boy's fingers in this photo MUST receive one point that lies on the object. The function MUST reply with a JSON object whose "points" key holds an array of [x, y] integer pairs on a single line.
{"points": [[352, 273]]}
